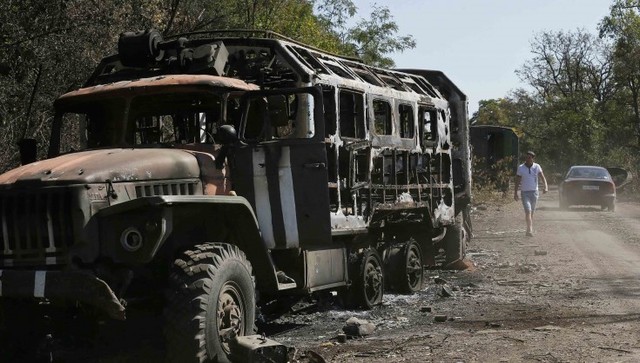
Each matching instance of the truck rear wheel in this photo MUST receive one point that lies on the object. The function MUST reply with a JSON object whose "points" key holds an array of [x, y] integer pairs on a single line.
{"points": [[367, 278], [211, 299], [407, 268]]}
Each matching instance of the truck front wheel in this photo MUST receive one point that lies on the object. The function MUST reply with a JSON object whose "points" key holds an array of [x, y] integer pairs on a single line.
{"points": [[211, 299]]}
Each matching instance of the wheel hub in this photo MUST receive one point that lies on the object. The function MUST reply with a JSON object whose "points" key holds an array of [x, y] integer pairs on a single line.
{"points": [[230, 315], [373, 280]]}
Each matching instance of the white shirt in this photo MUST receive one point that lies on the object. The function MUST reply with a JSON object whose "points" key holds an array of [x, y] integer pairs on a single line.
{"points": [[529, 177]]}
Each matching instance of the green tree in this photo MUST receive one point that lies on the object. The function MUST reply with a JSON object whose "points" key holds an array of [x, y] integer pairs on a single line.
{"points": [[622, 26], [566, 118], [374, 38], [49, 47], [334, 16], [494, 112]]}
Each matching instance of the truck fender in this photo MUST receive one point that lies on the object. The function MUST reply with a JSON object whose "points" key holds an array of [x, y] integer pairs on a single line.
{"points": [[158, 227]]}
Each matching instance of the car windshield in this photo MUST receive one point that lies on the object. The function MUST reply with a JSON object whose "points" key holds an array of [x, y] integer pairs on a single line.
{"points": [[588, 173]]}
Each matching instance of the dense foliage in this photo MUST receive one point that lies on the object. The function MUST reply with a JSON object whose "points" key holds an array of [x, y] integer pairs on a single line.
{"points": [[580, 100], [48, 47]]}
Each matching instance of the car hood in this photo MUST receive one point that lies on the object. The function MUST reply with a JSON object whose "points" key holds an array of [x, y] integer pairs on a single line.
{"points": [[116, 165]]}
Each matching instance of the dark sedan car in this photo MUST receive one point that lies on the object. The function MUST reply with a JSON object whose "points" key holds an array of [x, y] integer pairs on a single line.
{"points": [[588, 185]]}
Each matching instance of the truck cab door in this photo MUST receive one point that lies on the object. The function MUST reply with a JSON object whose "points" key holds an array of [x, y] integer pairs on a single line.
{"points": [[280, 166]]}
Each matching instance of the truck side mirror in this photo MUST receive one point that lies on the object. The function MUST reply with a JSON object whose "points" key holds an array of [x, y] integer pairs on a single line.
{"points": [[28, 151], [227, 134]]}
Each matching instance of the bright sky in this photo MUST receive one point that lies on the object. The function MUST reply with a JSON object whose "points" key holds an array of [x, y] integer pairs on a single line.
{"points": [[480, 44]]}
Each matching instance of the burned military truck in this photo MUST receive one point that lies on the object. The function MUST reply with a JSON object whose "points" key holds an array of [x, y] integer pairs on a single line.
{"points": [[215, 171]]}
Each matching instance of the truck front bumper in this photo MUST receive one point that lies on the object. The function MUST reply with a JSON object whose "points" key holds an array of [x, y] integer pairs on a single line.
{"points": [[65, 285]]}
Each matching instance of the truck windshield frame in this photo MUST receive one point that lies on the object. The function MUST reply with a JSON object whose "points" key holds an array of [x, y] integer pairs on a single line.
{"points": [[146, 120]]}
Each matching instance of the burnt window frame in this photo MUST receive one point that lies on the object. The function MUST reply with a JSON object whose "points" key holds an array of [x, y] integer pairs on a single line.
{"points": [[387, 129], [358, 123], [337, 68], [308, 59], [433, 120], [315, 126], [408, 126], [331, 111]]}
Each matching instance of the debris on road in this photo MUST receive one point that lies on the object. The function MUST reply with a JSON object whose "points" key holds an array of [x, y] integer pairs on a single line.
{"points": [[358, 327], [257, 348]]}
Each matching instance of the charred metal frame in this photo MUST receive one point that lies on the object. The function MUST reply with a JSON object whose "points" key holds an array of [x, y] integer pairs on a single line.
{"points": [[381, 157]]}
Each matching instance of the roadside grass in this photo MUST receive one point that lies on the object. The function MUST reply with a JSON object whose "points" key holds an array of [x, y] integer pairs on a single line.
{"points": [[492, 184], [492, 195]]}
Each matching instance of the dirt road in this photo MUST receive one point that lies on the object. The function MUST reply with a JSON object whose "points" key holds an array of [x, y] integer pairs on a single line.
{"points": [[570, 293]]}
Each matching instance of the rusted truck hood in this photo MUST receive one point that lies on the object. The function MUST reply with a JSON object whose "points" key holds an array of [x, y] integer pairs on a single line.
{"points": [[117, 165], [159, 84]]}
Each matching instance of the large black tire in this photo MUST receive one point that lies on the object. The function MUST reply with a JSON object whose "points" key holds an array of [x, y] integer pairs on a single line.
{"points": [[367, 286], [405, 269], [211, 299], [612, 205]]}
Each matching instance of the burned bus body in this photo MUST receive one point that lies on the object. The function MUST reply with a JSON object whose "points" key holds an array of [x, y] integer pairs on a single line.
{"points": [[226, 168]]}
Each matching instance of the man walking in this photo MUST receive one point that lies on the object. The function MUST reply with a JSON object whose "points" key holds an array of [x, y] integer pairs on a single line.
{"points": [[527, 180]]}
